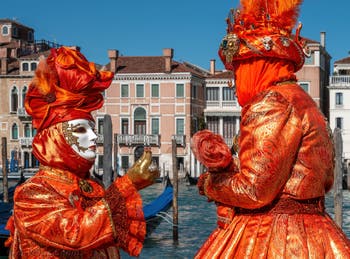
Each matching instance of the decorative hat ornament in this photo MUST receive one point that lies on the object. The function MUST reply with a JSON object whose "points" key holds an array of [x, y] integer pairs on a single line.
{"points": [[263, 28]]}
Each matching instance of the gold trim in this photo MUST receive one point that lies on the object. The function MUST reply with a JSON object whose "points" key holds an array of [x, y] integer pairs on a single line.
{"points": [[110, 217]]}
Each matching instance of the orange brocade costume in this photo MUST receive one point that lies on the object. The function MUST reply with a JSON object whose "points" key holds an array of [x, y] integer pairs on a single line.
{"points": [[271, 203], [61, 213], [270, 198]]}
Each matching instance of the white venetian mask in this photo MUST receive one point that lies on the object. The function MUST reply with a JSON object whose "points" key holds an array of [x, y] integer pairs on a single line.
{"points": [[81, 137]]}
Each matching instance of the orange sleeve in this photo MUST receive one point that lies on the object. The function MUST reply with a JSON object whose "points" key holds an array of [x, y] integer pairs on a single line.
{"points": [[269, 139]]}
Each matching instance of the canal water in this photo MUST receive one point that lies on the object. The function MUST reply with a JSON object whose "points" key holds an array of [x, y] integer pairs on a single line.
{"points": [[196, 220]]}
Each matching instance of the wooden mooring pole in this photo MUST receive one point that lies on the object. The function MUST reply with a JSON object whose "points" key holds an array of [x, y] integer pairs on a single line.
{"points": [[4, 169], [338, 178], [115, 151], [175, 194], [107, 151]]}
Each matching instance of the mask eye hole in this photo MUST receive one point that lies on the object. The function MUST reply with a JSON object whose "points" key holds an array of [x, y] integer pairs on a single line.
{"points": [[79, 129]]}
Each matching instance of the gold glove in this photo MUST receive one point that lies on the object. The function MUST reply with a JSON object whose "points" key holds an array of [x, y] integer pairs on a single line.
{"points": [[235, 145], [144, 172]]}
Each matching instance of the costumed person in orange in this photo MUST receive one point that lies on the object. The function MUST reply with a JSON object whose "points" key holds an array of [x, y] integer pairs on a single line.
{"points": [[270, 199], [61, 212]]}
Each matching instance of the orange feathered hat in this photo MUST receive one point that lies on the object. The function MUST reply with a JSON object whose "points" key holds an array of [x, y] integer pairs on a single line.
{"points": [[263, 28], [66, 86]]}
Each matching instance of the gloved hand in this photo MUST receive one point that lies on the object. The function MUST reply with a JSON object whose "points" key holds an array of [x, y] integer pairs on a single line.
{"points": [[143, 173]]}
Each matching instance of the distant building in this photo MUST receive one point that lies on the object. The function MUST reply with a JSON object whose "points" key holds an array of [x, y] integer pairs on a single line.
{"points": [[339, 98], [314, 76], [19, 56], [152, 100]]}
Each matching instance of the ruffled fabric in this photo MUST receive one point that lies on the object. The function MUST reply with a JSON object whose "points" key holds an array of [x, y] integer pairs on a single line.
{"points": [[211, 150], [127, 214]]}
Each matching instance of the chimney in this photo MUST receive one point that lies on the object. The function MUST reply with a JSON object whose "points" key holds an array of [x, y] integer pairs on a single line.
{"points": [[212, 66], [4, 61], [323, 39], [113, 57], [168, 54]]}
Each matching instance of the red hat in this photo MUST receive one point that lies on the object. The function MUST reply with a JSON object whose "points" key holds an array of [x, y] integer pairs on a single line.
{"points": [[66, 86], [263, 28]]}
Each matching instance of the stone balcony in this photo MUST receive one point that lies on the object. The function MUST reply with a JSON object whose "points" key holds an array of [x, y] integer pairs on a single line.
{"points": [[342, 81], [132, 140], [25, 142], [180, 140]]}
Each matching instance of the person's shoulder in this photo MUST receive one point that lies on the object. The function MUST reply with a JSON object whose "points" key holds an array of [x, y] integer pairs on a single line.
{"points": [[268, 100]]}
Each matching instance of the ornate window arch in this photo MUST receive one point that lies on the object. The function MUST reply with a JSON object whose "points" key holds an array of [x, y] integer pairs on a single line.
{"points": [[5, 30], [24, 92], [140, 121]]}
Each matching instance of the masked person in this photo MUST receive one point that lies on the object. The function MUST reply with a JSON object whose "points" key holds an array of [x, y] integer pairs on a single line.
{"points": [[61, 212], [271, 197]]}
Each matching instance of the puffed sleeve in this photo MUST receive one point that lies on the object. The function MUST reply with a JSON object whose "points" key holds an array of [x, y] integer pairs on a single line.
{"points": [[269, 139], [125, 206]]}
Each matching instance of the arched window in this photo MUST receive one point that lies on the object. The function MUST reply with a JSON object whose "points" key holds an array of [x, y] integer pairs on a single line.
{"points": [[14, 99], [33, 66], [26, 130], [140, 121], [14, 131], [25, 66], [24, 92], [5, 30]]}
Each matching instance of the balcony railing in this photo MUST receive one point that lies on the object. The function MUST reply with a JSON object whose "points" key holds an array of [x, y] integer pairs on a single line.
{"points": [[180, 140], [339, 81], [221, 103], [25, 142], [147, 140]]}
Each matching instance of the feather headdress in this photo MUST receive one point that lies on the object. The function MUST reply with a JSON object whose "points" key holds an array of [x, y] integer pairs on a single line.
{"points": [[263, 28]]}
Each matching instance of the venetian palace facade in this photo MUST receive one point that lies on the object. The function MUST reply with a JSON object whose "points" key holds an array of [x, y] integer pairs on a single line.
{"points": [[152, 100]]}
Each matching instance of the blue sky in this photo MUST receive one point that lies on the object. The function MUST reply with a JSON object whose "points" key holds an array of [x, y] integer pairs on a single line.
{"points": [[192, 28]]}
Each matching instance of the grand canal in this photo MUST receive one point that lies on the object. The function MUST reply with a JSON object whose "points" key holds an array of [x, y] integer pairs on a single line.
{"points": [[197, 218]]}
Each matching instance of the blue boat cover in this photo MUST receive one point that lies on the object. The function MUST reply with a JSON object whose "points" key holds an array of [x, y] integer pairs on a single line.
{"points": [[161, 203]]}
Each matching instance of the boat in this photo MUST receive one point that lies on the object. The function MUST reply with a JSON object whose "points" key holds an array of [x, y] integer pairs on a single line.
{"points": [[156, 211], [189, 180]]}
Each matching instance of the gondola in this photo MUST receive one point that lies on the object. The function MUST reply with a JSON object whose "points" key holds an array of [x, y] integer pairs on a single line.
{"points": [[155, 211], [189, 180]]}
